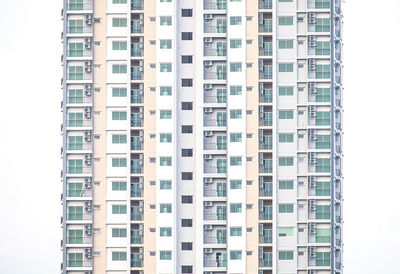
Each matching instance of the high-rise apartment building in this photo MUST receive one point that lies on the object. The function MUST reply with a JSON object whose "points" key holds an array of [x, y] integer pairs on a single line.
{"points": [[202, 136]]}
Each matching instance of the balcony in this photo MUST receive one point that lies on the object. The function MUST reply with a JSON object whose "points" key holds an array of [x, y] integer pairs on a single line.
{"points": [[266, 72], [136, 166], [136, 26], [78, 192], [266, 166], [137, 5], [214, 263], [136, 190], [266, 49], [136, 143], [136, 50], [215, 212], [136, 237], [136, 120], [265, 4], [83, 5], [266, 119], [83, 240], [214, 240], [79, 170], [136, 260], [78, 27], [77, 99], [84, 216], [266, 142], [208, 122], [218, 74], [215, 98], [266, 26], [266, 260], [136, 213], [79, 263], [215, 5], [266, 190], [266, 237], [209, 28], [215, 192], [217, 49], [136, 73], [266, 213]]}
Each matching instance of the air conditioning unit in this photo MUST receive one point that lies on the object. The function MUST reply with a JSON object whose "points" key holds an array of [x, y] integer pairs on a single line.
{"points": [[260, 65], [208, 86], [88, 19], [88, 89], [208, 110], [312, 111], [208, 16], [88, 229], [311, 64], [312, 181], [208, 227], [311, 135], [88, 206], [88, 159], [312, 41], [88, 42], [88, 135], [312, 228], [88, 66], [311, 17], [208, 157], [312, 205], [312, 158], [88, 182], [208, 204], [208, 39], [260, 42], [208, 250], [208, 180], [208, 63], [88, 252], [208, 133], [312, 252], [88, 112]]}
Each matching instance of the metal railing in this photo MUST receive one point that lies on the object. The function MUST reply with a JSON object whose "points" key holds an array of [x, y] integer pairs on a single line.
{"points": [[214, 263], [79, 193], [79, 170], [215, 5], [214, 240], [214, 75], [79, 216], [79, 123], [79, 263], [214, 192], [266, 261], [214, 146], [214, 122], [214, 51], [84, 29], [79, 146], [214, 216], [79, 99], [86, 5], [79, 240], [214, 98], [214, 29], [214, 169]]}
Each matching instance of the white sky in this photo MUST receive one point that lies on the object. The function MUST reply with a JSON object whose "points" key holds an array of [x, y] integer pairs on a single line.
{"points": [[30, 143]]}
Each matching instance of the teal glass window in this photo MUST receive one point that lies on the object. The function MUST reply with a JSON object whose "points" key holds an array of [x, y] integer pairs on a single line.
{"points": [[235, 161], [285, 208], [285, 44], [165, 91], [285, 255], [323, 72], [165, 44], [323, 141], [119, 185], [75, 96], [165, 161], [118, 209], [235, 255], [286, 114], [235, 67], [165, 184], [166, 114], [75, 213], [75, 236], [235, 184], [118, 138], [285, 137], [285, 67], [165, 255], [75, 260], [285, 21], [165, 208], [165, 67], [75, 73], [235, 20], [75, 26], [235, 208], [235, 231], [119, 45], [75, 49], [118, 232], [118, 256], [323, 48], [119, 92], [323, 235], [235, 90], [323, 118], [323, 258], [165, 232], [75, 166], [323, 165], [323, 95], [165, 137], [323, 189], [285, 91], [118, 115], [322, 24], [235, 114], [74, 189], [118, 162], [75, 142], [323, 212], [235, 43], [235, 137], [165, 21], [119, 22], [286, 184]]}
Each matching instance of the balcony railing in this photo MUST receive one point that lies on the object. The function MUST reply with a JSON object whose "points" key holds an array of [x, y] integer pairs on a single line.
{"points": [[215, 75], [79, 240], [214, 122], [79, 263], [214, 216], [215, 5], [214, 28], [214, 192], [214, 263], [266, 213], [136, 73], [136, 213], [137, 5], [136, 120], [136, 237], [214, 169], [136, 260], [266, 261], [266, 4], [266, 119], [85, 5], [79, 216], [215, 146], [79, 170], [214, 51], [214, 240], [266, 237], [214, 98]]}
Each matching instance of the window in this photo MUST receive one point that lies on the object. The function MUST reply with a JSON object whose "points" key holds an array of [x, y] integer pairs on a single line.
{"points": [[285, 21], [285, 231], [187, 246], [187, 176], [322, 4], [119, 92], [235, 208], [118, 209], [187, 12], [235, 90], [187, 82], [235, 137], [323, 189], [322, 25], [166, 67], [187, 269], [323, 258], [165, 44], [165, 91], [75, 26], [187, 199], [187, 152], [186, 223], [323, 118], [236, 67], [75, 213], [75, 142], [285, 67], [165, 1], [235, 184], [165, 20], [75, 49], [119, 45], [165, 255], [75, 96], [285, 1], [235, 161], [235, 255], [285, 44], [236, 231], [118, 232], [119, 115], [165, 232], [323, 165], [285, 91], [75, 189], [323, 95], [235, 43], [118, 162], [119, 22], [322, 72], [165, 114], [187, 59], [187, 129], [75, 73], [75, 236], [165, 184], [165, 208], [118, 185], [286, 114], [235, 113], [285, 255], [286, 184], [323, 235], [75, 166], [119, 139], [235, 20], [118, 69], [285, 208], [119, 256], [75, 4], [323, 141], [323, 48], [165, 137], [285, 161], [165, 161], [187, 105], [285, 137], [323, 212], [75, 260], [187, 36]]}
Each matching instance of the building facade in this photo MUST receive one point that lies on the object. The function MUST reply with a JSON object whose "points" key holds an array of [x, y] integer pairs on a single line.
{"points": [[202, 136]]}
